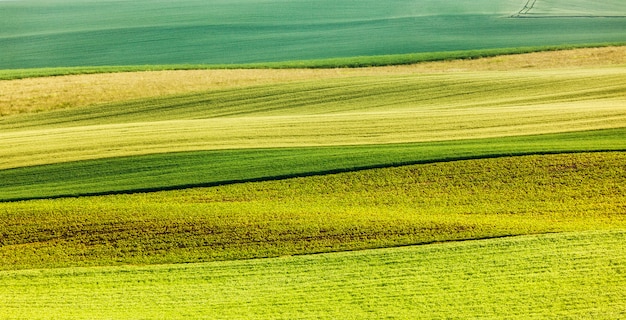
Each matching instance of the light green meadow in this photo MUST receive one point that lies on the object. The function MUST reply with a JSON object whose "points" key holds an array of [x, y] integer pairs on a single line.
{"points": [[407, 205], [481, 189], [77, 33], [564, 275], [355, 111]]}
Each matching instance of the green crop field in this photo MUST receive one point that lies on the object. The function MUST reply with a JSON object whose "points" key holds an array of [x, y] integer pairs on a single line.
{"points": [[471, 199], [61, 33], [342, 162], [291, 159], [309, 127], [567, 275]]}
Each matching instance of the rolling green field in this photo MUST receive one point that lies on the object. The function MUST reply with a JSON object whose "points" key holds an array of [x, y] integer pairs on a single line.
{"points": [[62, 33], [341, 163], [208, 168], [309, 127], [341, 62], [144, 174], [565, 275], [458, 200]]}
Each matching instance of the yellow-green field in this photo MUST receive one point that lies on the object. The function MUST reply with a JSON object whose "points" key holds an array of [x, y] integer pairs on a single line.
{"points": [[379, 107], [49, 93], [459, 200], [153, 185], [564, 275]]}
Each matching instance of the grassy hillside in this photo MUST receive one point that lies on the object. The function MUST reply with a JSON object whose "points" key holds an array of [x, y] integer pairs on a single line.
{"points": [[264, 127], [359, 110], [168, 171], [353, 96], [458, 200], [60, 33], [84, 88], [272, 163], [341, 62], [571, 275]]}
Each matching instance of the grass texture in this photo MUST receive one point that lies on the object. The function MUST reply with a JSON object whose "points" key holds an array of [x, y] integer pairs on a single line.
{"points": [[74, 33], [346, 62], [282, 168], [209, 168], [63, 92], [449, 156], [417, 204], [309, 127], [570, 275], [346, 111]]}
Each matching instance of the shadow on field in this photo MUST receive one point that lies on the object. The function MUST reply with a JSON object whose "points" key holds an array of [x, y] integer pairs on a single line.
{"points": [[303, 174]]}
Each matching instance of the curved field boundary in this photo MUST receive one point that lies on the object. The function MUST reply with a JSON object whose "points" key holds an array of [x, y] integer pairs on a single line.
{"points": [[383, 207], [351, 62], [210, 168], [36, 95], [348, 111], [78, 33], [569, 275]]}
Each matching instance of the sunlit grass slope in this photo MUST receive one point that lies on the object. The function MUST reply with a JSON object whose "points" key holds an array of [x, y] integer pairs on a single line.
{"points": [[206, 168], [61, 33], [254, 169], [457, 200], [570, 275], [346, 121], [299, 128], [330, 63], [346, 111], [44, 92], [389, 93]]}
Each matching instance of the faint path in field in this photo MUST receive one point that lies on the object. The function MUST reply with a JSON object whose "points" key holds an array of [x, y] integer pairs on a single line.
{"points": [[530, 11], [530, 4]]}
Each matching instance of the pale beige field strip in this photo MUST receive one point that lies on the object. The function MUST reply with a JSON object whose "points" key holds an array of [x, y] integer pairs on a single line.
{"points": [[33, 147], [42, 94]]}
